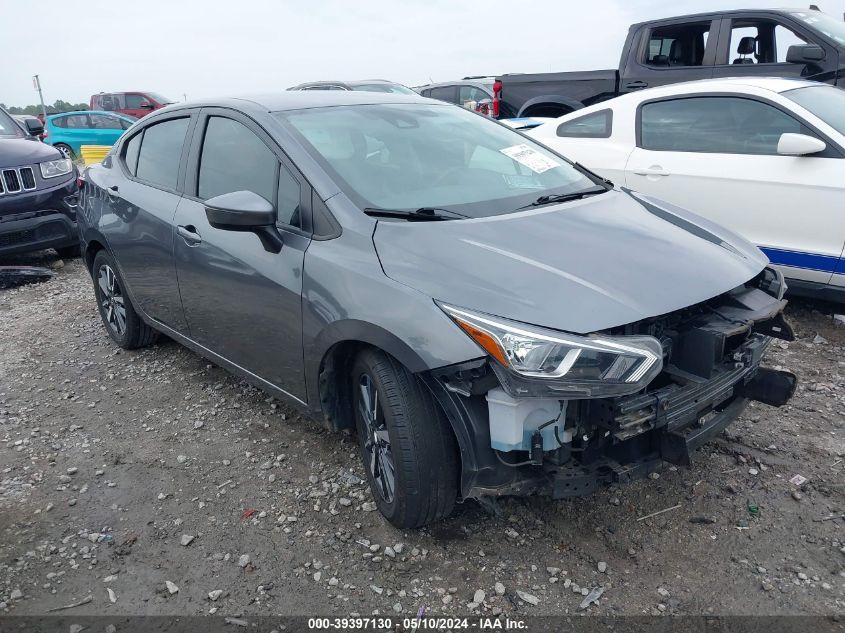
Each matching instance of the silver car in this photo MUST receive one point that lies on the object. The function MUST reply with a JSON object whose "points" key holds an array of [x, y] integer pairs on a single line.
{"points": [[490, 318]]}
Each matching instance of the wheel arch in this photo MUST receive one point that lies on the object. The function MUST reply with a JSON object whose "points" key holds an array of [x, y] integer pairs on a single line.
{"points": [[93, 243], [332, 355], [542, 105]]}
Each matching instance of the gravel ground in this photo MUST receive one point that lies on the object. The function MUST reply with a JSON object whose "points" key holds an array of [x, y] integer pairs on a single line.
{"points": [[153, 482]]}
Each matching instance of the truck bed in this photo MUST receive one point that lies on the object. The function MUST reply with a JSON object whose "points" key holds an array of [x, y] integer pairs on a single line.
{"points": [[539, 94]]}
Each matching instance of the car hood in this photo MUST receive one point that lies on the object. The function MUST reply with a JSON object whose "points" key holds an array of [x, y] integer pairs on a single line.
{"points": [[583, 266], [15, 152]]}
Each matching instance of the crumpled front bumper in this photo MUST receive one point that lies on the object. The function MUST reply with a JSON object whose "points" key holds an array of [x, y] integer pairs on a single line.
{"points": [[670, 424], [711, 370]]}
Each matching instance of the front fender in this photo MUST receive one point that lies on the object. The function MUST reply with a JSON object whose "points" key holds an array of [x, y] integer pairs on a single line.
{"points": [[355, 331]]}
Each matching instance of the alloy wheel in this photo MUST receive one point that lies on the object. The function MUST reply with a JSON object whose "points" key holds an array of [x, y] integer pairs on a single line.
{"points": [[378, 454], [111, 300]]}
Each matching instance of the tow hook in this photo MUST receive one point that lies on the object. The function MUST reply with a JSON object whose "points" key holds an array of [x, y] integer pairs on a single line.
{"points": [[770, 386]]}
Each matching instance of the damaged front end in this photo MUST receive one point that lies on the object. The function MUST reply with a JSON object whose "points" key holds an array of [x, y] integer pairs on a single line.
{"points": [[562, 414]]}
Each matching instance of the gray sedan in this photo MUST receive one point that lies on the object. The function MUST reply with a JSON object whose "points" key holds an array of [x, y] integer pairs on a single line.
{"points": [[490, 318]]}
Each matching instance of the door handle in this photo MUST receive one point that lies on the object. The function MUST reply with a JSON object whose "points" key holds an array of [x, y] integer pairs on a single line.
{"points": [[189, 234], [636, 85], [654, 170]]}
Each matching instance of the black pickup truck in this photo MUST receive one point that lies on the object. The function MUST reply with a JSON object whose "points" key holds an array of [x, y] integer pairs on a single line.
{"points": [[777, 42]]}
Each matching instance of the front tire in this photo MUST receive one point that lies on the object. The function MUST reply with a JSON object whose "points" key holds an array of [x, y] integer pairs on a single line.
{"points": [[66, 151], [122, 322], [409, 451]]}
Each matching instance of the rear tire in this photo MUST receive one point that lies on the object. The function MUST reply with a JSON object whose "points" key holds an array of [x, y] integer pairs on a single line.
{"points": [[408, 447], [122, 322]]}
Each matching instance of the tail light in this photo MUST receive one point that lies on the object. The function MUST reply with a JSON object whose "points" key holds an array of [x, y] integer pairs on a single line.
{"points": [[43, 135], [497, 97]]}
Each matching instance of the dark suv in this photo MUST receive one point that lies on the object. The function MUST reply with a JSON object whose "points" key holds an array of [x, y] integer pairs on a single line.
{"points": [[38, 191]]}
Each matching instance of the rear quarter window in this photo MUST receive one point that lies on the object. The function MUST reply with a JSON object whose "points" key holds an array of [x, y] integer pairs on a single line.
{"points": [[594, 125], [130, 153]]}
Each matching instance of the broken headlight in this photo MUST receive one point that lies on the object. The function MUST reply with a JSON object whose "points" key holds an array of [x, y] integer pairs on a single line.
{"points": [[533, 361]]}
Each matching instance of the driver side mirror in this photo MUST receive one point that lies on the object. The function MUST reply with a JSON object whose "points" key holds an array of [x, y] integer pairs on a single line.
{"points": [[245, 211], [804, 54], [34, 127], [146, 105], [791, 144]]}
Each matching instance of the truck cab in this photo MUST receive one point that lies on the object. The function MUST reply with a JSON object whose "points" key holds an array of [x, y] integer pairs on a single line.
{"points": [[135, 104], [763, 43], [755, 42]]}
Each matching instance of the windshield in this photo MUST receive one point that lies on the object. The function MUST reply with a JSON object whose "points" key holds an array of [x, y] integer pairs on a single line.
{"points": [[158, 98], [826, 102], [9, 128], [379, 87], [409, 156], [824, 24]]}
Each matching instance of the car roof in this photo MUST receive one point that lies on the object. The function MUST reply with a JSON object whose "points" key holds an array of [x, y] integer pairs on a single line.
{"points": [[727, 84], [354, 82], [771, 84], [475, 81], [106, 112], [739, 85], [297, 100], [717, 14]]}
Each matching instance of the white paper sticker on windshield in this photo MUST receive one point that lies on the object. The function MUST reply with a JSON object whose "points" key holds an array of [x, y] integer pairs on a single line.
{"points": [[531, 158]]}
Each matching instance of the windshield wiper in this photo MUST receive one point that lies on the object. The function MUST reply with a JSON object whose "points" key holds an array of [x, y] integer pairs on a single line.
{"points": [[565, 197], [423, 214]]}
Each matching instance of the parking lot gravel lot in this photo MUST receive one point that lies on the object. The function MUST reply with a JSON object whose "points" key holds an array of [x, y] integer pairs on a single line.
{"points": [[154, 482]]}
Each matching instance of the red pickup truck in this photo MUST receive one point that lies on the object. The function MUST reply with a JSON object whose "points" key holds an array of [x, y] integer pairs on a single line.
{"points": [[136, 104]]}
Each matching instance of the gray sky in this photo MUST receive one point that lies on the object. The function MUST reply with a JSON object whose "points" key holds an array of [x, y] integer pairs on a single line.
{"points": [[221, 47]]}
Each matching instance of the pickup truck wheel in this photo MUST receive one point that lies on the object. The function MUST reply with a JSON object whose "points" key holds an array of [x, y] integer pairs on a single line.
{"points": [[122, 322], [409, 450]]}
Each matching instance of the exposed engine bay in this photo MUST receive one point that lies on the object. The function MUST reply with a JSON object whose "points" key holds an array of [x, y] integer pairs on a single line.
{"points": [[711, 355]]}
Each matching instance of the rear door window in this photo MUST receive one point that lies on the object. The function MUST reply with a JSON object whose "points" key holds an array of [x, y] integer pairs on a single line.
{"points": [[677, 45], [233, 158], [72, 121], [445, 93], [161, 152], [105, 122], [110, 102]]}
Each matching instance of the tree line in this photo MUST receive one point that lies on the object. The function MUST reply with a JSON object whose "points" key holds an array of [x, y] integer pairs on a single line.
{"points": [[35, 110]]}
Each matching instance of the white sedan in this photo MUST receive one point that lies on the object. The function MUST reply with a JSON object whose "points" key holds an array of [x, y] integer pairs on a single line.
{"points": [[762, 156]]}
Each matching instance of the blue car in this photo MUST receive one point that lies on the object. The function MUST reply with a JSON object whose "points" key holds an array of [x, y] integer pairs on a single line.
{"points": [[70, 130]]}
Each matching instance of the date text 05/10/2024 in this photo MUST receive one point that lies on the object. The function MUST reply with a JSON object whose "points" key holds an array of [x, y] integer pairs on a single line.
{"points": [[416, 624]]}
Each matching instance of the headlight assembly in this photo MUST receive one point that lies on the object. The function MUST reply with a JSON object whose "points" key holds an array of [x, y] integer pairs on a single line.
{"points": [[58, 167], [533, 361]]}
